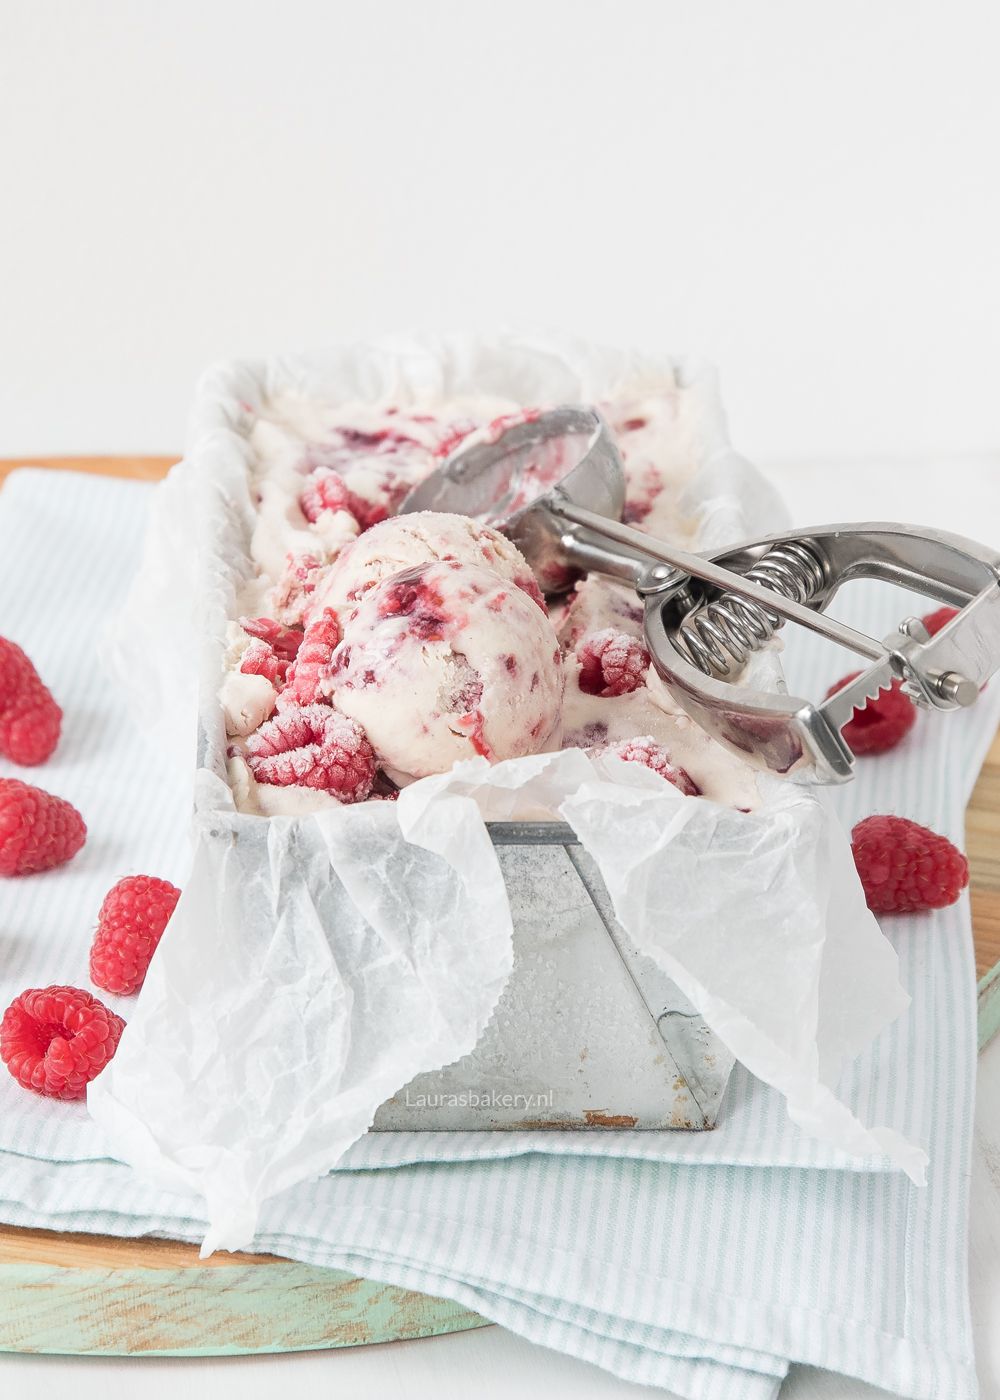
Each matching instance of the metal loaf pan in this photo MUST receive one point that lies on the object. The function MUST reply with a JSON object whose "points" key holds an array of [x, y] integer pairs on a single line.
{"points": [[588, 1034]]}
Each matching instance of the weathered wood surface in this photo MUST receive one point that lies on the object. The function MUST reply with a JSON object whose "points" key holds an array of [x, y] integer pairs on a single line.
{"points": [[83, 1294], [86, 1294]]}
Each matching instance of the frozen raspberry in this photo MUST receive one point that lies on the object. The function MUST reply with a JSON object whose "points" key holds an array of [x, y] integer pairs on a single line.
{"points": [[314, 746], [936, 620], [611, 663], [37, 830], [318, 642], [129, 926], [326, 490], [283, 641], [655, 756], [259, 659], [882, 723], [906, 868], [29, 717], [55, 1040]]}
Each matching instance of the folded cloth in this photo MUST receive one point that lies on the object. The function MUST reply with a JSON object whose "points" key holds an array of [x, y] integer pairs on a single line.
{"points": [[707, 1277], [53, 601]]}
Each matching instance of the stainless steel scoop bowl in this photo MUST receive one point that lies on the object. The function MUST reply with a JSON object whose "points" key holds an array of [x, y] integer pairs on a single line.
{"points": [[555, 485]]}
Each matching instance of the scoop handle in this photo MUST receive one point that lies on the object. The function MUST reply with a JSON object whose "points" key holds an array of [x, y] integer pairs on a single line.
{"points": [[652, 554]]}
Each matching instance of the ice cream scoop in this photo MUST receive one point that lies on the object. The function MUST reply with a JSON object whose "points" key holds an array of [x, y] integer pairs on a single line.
{"points": [[420, 538], [706, 614], [443, 661]]}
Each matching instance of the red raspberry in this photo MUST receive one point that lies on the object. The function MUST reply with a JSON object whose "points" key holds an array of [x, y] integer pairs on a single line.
{"points": [[129, 926], [326, 490], [936, 620], [905, 868], [37, 830], [283, 641], [29, 717], [655, 756], [314, 746], [259, 659], [611, 663], [882, 723], [55, 1040], [318, 642]]}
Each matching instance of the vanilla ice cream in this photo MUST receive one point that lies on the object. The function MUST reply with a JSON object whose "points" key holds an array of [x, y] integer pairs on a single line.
{"points": [[444, 661]]}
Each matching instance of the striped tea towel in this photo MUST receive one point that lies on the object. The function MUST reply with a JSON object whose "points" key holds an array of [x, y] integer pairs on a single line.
{"points": [[705, 1276]]}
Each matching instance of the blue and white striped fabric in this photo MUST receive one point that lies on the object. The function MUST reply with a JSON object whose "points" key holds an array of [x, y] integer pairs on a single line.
{"points": [[706, 1270]]}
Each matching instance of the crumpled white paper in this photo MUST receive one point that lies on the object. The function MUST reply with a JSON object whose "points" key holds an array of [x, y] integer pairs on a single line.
{"points": [[311, 967], [758, 917], [315, 964]]}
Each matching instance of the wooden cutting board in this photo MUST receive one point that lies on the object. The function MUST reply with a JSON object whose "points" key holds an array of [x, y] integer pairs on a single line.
{"points": [[96, 1295]]}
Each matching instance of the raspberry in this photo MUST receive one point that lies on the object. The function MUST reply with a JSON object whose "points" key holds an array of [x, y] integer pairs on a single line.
{"points": [[37, 830], [313, 657], [936, 620], [259, 659], [29, 717], [327, 490], [882, 722], [611, 663], [654, 756], [905, 868], [129, 926], [317, 747], [55, 1040], [283, 641]]}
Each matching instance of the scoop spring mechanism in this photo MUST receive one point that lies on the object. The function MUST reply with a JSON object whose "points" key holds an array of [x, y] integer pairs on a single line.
{"points": [[719, 637]]}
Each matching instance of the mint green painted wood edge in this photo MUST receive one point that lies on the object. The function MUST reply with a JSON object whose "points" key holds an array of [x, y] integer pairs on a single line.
{"points": [[219, 1311], [240, 1309], [989, 1006]]}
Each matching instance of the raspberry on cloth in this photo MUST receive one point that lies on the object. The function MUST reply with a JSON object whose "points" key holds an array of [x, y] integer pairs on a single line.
{"points": [[37, 831], [882, 722], [130, 924], [55, 1040], [30, 719], [906, 868]]}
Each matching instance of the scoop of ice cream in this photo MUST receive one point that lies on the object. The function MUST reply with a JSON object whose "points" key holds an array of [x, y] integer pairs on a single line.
{"points": [[443, 661], [419, 538]]}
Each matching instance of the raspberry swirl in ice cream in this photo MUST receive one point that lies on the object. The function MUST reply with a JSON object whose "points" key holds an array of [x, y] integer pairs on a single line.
{"points": [[443, 661]]}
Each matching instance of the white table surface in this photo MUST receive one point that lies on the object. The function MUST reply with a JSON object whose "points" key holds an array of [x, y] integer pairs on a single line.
{"points": [[961, 494]]}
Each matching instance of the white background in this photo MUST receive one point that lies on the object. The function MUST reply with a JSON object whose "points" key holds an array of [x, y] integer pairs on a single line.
{"points": [[806, 193]]}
